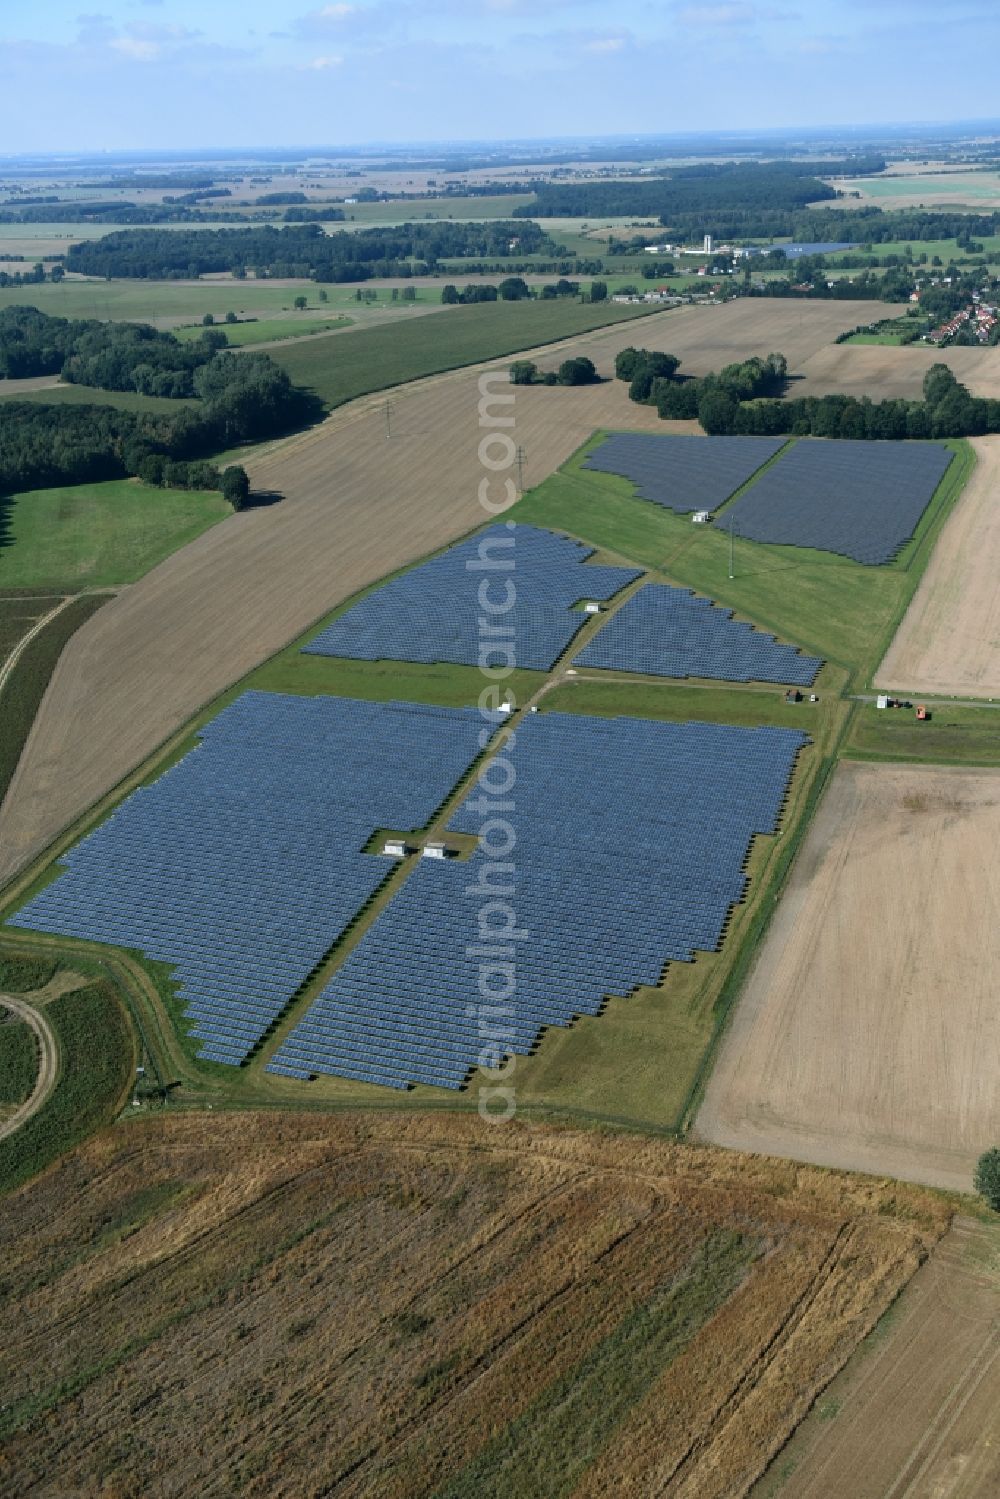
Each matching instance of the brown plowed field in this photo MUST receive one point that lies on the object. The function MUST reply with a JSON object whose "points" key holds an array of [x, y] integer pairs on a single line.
{"points": [[883, 372], [949, 640], [868, 1035], [363, 1305], [916, 1413]]}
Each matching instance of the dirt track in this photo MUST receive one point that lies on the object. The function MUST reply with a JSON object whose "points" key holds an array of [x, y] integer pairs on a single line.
{"points": [[949, 640], [48, 1064], [355, 507], [916, 1414], [868, 1036]]}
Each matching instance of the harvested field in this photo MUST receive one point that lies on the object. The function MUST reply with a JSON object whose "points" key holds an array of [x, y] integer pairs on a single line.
{"points": [[706, 337], [883, 372], [277, 1305], [916, 1412], [868, 1035], [949, 640]]}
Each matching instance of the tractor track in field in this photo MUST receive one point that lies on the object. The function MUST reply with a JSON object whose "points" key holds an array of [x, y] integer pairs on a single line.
{"points": [[48, 1063]]}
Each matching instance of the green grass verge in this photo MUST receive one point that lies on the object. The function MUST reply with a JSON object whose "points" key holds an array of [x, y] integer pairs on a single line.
{"points": [[25, 688], [93, 1078], [18, 1061], [98, 535], [382, 681], [93, 395], [266, 330], [546, 1451], [338, 369], [676, 702], [952, 736]]}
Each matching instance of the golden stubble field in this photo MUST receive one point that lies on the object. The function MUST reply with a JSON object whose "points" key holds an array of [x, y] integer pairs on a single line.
{"points": [[949, 640], [363, 1305], [916, 1412], [868, 1035]]}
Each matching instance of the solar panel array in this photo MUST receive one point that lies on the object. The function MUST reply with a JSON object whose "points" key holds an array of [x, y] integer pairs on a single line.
{"points": [[683, 473], [632, 838], [243, 864], [669, 632], [862, 500], [434, 612]]}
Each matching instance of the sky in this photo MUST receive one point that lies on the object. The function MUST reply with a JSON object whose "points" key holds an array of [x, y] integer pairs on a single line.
{"points": [[163, 74]]}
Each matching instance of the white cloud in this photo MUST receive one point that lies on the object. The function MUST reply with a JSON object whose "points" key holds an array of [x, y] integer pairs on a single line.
{"points": [[716, 15], [320, 64], [338, 12], [137, 49], [605, 44]]}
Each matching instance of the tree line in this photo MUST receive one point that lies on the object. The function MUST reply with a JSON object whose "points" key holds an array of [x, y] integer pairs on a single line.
{"points": [[299, 250], [745, 400], [236, 397], [702, 189]]}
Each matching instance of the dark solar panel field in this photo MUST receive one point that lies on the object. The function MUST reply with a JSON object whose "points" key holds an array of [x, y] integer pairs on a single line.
{"points": [[669, 632], [434, 613], [243, 864], [683, 473], [631, 842], [862, 500]]}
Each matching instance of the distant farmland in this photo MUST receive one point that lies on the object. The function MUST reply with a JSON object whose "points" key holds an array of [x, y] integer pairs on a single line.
{"points": [[247, 1304]]}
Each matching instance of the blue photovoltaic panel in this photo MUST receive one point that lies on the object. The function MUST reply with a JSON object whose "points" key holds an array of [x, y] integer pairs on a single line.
{"points": [[436, 612], [243, 863], [669, 632], [631, 842], [862, 500], [683, 473]]}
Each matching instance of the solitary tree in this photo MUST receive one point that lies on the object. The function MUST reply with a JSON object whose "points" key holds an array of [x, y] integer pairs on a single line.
{"points": [[598, 291], [207, 320], [300, 304], [236, 486], [579, 371], [987, 1177], [449, 293], [323, 295], [231, 317]]}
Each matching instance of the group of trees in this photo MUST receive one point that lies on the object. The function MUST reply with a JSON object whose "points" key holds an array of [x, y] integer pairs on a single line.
{"points": [[516, 289], [652, 378], [745, 399], [300, 250], [579, 371], [114, 356]]}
